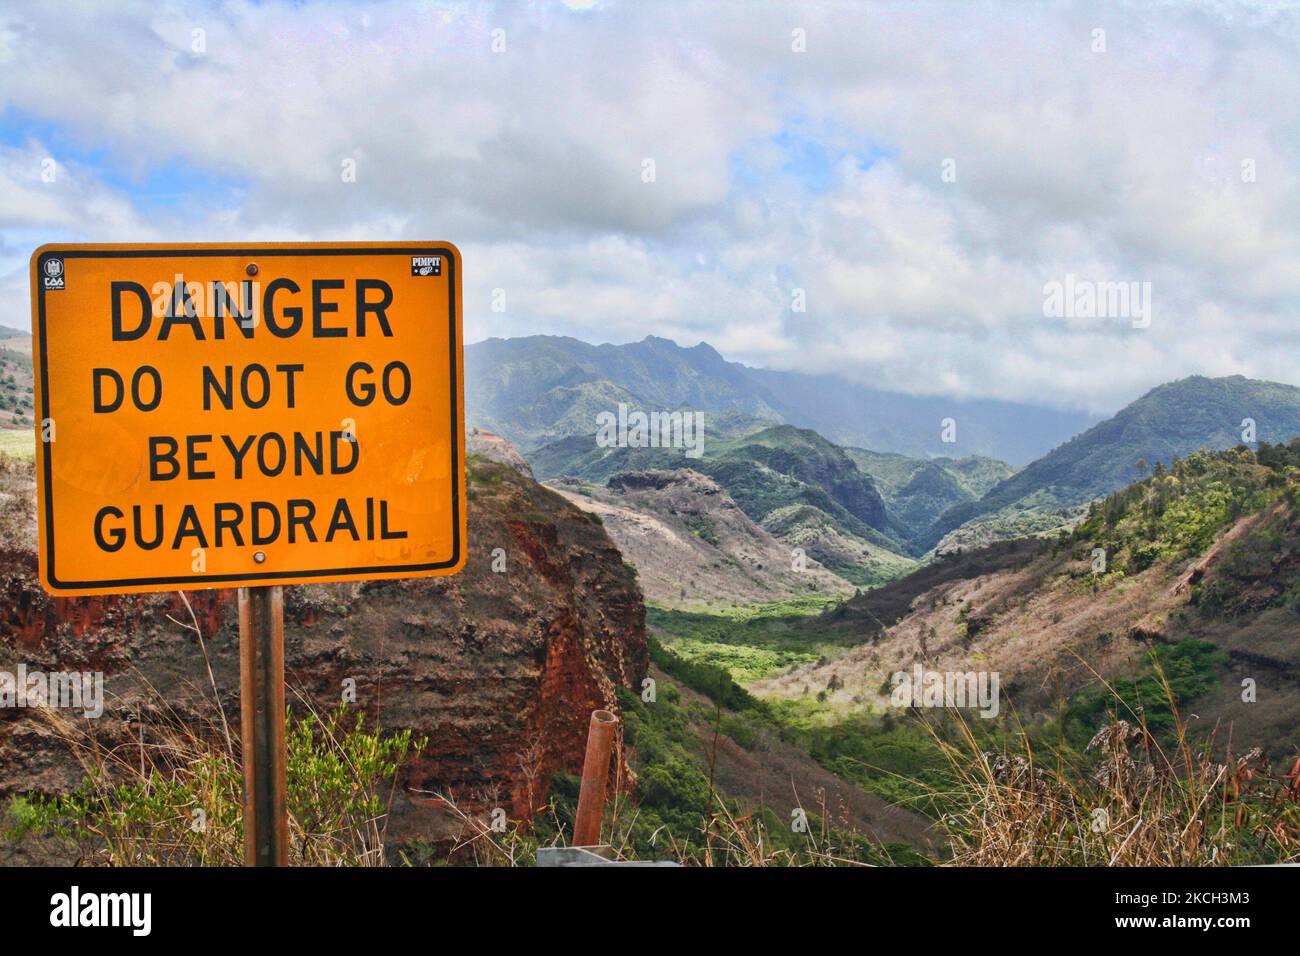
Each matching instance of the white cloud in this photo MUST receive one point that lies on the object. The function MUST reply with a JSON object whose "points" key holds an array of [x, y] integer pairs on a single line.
{"points": [[773, 169]]}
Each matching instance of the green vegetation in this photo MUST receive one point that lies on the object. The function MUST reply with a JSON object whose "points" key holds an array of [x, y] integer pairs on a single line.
{"points": [[536, 389], [799, 487], [747, 643], [853, 557], [1177, 512], [702, 528], [1172, 421], [180, 803], [895, 757], [1018, 521], [705, 677], [1001, 791], [784, 465], [769, 472], [680, 808], [1173, 515], [1173, 675], [680, 813], [1004, 794], [673, 774], [17, 443], [1260, 570], [916, 491]]}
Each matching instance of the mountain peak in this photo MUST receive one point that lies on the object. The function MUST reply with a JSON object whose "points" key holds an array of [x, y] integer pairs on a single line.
{"points": [[1170, 421], [539, 389], [700, 348]]}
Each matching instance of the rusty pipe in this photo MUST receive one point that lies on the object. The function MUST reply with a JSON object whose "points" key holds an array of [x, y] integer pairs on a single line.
{"points": [[595, 778]]}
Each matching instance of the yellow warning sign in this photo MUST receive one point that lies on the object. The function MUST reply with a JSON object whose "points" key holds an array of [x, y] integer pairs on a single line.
{"points": [[212, 415]]}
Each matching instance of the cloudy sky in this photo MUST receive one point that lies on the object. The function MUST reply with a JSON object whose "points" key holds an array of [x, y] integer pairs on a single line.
{"points": [[915, 173]]}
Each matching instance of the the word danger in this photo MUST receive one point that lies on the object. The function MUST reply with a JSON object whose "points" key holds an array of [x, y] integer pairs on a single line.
{"points": [[209, 311]]}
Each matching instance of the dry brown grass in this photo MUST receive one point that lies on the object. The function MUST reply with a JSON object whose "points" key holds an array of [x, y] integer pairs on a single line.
{"points": [[17, 502], [1037, 621], [1131, 802]]}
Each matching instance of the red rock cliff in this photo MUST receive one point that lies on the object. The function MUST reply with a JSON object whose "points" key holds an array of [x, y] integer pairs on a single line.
{"points": [[499, 669]]}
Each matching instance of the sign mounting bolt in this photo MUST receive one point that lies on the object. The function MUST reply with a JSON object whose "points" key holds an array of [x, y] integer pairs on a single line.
{"points": [[259, 556], [251, 268]]}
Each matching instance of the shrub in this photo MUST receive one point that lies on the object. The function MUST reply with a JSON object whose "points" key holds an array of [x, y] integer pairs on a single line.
{"points": [[177, 798]]}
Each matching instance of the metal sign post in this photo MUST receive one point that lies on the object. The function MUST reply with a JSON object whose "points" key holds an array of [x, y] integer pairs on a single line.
{"points": [[261, 709]]}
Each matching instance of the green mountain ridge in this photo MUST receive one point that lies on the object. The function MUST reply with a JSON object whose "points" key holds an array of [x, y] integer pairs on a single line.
{"points": [[1170, 421], [537, 389], [917, 490], [791, 481], [881, 498]]}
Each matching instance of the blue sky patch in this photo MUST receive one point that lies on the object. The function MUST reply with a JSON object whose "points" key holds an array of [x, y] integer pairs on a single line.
{"points": [[149, 186], [808, 155]]}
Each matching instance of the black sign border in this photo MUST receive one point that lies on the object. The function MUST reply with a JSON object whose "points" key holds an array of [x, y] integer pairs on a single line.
{"points": [[203, 580]]}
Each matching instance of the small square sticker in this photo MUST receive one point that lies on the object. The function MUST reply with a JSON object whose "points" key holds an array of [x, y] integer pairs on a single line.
{"points": [[426, 265], [53, 277]]}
